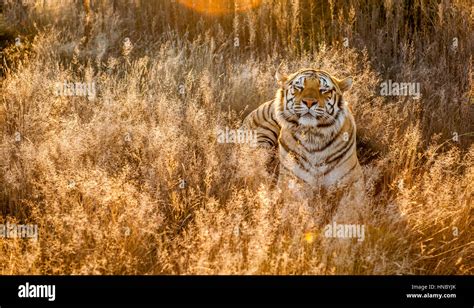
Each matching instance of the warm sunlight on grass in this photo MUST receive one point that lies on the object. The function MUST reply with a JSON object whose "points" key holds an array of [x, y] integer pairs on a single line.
{"points": [[133, 181]]}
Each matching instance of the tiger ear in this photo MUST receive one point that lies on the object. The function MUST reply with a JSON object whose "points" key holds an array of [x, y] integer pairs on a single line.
{"points": [[345, 84], [280, 77]]}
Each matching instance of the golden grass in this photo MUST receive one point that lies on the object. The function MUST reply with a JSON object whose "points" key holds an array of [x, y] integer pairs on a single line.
{"points": [[101, 177]]}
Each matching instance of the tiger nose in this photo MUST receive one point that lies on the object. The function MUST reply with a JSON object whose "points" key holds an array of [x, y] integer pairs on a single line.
{"points": [[309, 102]]}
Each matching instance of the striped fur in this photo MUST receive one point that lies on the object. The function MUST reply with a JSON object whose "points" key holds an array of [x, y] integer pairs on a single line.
{"points": [[312, 128], [263, 120]]}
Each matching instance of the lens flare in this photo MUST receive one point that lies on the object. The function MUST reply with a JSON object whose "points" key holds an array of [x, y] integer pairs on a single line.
{"points": [[220, 7], [310, 237]]}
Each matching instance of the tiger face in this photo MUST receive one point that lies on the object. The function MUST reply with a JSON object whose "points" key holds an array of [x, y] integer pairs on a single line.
{"points": [[312, 98]]}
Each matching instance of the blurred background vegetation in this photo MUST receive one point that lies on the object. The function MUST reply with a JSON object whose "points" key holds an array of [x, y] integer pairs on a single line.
{"points": [[425, 41]]}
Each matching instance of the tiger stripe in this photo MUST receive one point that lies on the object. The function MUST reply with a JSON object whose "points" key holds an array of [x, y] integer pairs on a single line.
{"points": [[263, 121]]}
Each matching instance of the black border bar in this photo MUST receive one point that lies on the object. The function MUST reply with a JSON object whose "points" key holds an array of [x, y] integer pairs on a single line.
{"points": [[242, 291]]}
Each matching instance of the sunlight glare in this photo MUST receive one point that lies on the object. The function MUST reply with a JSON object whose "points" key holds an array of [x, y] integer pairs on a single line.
{"points": [[220, 7]]}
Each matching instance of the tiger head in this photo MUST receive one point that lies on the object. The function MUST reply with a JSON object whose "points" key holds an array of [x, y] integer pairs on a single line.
{"points": [[311, 98]]}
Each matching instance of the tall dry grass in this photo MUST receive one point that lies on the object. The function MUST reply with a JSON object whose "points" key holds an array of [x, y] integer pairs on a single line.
{"points": [[134, 182]]}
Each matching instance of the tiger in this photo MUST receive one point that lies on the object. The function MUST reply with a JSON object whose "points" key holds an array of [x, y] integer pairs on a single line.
{"points": [[311, 128]]}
